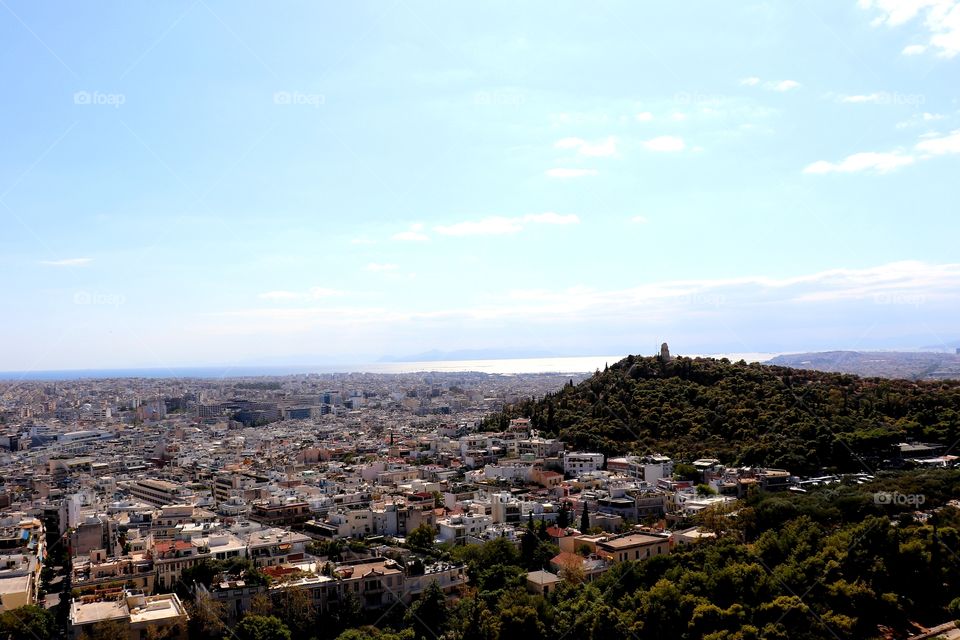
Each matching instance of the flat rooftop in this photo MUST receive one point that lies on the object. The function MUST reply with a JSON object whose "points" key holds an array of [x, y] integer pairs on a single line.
{"points": [[90, 612], [631, 540]]}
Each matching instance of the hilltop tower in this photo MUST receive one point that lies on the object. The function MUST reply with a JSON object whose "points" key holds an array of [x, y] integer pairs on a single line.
{"points": [[664, 352]]}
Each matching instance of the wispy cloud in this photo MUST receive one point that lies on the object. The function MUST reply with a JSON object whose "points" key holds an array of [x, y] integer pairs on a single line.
{"points": [[639, 220], [920, 119], [643, 116], [906, 281], [867, 161], [941, 19], [871, 97], [67, 262], [502, 225], [413, 234], [665, 143], [603, 148], [563, 172], [770, 85], [782, 85], [940, 145], [315, 293], [883, 162]]}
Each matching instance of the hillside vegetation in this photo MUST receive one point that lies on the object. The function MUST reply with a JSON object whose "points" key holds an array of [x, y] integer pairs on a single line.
{"points": [[745, 414]]}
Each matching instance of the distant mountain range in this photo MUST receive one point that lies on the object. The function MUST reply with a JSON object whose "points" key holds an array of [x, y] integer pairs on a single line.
{"points": [[910, 365], [436, 355]]}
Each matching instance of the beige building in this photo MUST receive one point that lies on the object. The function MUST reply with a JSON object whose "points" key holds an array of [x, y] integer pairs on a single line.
{"points": [[636, 546], [20, 563], [137, 613]]}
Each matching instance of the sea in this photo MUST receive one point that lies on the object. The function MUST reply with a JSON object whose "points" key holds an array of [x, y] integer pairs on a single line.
{"points": [[505, 366]]}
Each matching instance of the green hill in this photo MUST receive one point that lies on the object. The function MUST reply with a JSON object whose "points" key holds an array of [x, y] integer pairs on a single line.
{"points": [[744, 414]]}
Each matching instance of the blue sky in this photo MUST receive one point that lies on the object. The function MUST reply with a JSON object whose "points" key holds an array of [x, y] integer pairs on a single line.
{"points": [[190, 183]]}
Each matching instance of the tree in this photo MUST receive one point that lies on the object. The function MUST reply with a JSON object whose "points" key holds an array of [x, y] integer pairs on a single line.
{"points": [[203, 573], [299, 612], [254, 627], [520, 622], [563, 517], [261, 605], [421, 537], [704, 489], [684, 471], [206, 615], [528, 549], [473, 620], [584, 519], [106, 630], [29, 621], [164, 632], [428, 614]]}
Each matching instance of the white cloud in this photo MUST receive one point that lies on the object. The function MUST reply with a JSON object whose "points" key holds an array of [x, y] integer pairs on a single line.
{"points": [[315, 293], [639, 219], [492, 226], [906, 282], [564, 172], [929, 145], [644, 116], [941, 19], [502, 225], [942, 145], [783, 85], [606, 147], [665, 143], [413, 234], [872, 97], [378, 267], [919, 119], [678, 116], [67, 262], [363, 240], [750, 82], [866, 161]]}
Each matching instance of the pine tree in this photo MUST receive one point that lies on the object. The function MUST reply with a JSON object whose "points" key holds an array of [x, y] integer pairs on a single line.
{"points": [[584, 520], [563, 518]]}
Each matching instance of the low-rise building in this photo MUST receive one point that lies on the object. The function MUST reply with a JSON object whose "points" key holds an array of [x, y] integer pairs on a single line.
{"points": [[138, 615], [635, 546]]}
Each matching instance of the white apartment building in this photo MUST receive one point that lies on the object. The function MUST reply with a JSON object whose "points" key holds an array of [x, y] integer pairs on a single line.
{"points": [[576, 463], [457, 528]]}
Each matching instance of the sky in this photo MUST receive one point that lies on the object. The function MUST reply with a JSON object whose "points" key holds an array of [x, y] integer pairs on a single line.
{"points": [[208, 182]]}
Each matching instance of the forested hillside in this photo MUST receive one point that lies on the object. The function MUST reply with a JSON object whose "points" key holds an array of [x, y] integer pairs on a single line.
{"points": [[747, 414]]}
